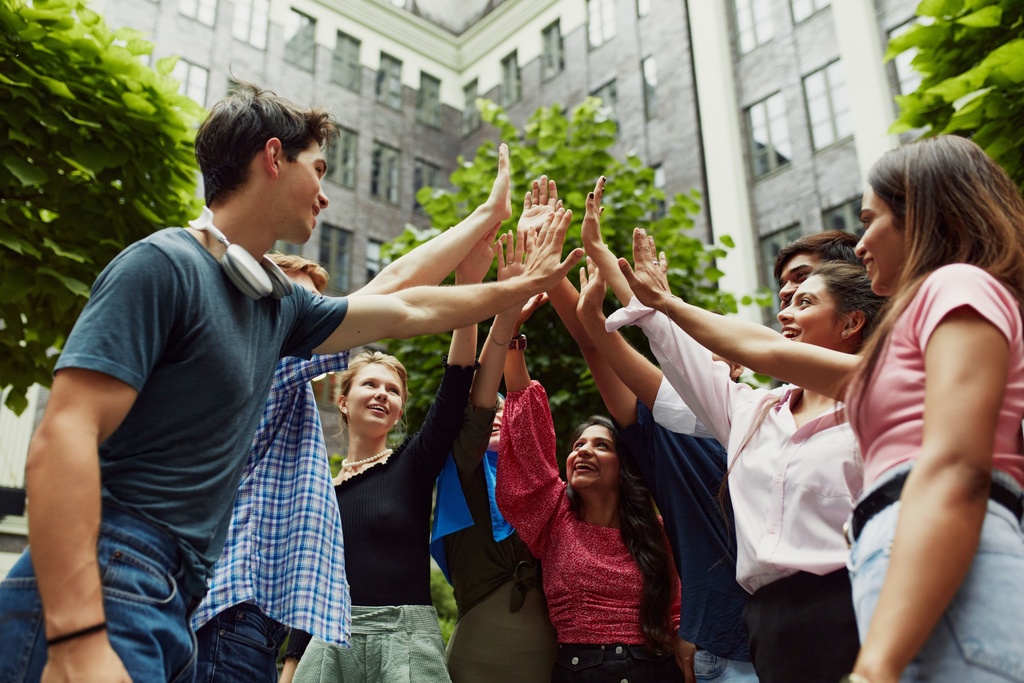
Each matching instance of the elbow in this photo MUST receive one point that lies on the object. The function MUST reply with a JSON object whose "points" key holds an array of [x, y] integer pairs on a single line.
{"points": [[961, 480]]}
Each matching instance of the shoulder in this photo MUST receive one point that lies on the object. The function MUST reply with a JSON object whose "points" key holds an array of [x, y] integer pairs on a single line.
{"points": [[962, 285]]}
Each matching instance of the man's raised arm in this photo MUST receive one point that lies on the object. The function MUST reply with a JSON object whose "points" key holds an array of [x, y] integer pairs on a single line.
{"points": [[432, 310]]}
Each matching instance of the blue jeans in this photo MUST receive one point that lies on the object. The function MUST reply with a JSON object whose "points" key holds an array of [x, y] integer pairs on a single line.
{"points": [[709, 667], [146, 612], [239, 644], [979, 638]]}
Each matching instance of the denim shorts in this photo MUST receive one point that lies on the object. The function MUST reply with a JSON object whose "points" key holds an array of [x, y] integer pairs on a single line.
{"points": [[146, 612], [709, 667], [979, 638]]}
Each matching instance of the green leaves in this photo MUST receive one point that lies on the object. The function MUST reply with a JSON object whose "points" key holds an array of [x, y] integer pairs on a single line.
{"points": [[971, 56], [82, 115], [573, 149]]}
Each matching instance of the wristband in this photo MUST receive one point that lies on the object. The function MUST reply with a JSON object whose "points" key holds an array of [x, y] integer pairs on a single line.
{"points": [[517, 343], [102, 626]]}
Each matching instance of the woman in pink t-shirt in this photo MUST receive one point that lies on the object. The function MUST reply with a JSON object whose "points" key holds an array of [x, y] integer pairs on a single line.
{"points": [[936, 401]]}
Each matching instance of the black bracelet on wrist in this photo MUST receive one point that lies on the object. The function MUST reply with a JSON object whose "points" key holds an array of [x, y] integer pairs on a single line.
{"points": [[517, 343], [102, 626]]}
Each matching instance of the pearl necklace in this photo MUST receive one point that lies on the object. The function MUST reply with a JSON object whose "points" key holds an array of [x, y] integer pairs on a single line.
{"points": [[365, 461]]}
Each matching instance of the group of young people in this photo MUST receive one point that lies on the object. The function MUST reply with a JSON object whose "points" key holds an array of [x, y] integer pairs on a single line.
{"points": [[862, 522]]}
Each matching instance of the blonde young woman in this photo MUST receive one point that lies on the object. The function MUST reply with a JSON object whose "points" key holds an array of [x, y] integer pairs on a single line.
{"points": [[936, 401]]}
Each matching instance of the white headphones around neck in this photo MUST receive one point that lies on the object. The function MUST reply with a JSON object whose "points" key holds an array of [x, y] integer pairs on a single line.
{"points": [[255, 279]]}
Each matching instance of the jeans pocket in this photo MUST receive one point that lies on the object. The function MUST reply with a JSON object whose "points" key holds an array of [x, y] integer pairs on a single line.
{"points": [[251, 628], [130, 576], [708, 667]]}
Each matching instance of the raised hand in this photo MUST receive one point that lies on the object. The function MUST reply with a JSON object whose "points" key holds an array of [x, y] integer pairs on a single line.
{"points": [[591, 232], [535, 302], [499, 202], [538, 203], [649, 280], [510, 253], [544, 252], [592, 292], [473, 268]]}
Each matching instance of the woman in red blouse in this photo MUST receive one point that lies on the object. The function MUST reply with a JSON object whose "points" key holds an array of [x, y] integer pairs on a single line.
{"points": [[611, 586]]}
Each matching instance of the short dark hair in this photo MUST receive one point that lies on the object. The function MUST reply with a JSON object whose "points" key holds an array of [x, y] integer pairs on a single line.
{"points": [[830, 246], [239, 126]]}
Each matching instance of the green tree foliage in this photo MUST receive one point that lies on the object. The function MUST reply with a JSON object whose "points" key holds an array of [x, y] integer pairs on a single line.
{"points": [[573, 150], [97, 152], [971, 56]]}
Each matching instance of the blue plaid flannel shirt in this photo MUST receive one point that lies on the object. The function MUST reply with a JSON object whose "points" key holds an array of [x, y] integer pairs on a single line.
{"points": [[284, 549]]}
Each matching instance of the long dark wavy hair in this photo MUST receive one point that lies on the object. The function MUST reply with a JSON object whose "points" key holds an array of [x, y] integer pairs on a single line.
{"points": [[645, 538]]}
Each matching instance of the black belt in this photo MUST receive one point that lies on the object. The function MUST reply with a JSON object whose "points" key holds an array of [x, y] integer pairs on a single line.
{"points": [[889, 492]]}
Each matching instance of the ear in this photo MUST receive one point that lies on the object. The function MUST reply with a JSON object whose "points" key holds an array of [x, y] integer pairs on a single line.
{"points": [[854, 323], [272, 157], [343, 404]]}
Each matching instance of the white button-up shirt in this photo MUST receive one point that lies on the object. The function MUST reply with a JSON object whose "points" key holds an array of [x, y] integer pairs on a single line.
{"points": [[792, 489]]}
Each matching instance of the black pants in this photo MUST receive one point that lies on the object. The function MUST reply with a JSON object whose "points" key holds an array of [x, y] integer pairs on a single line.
{"points": [[802, 629], [614, 663]]}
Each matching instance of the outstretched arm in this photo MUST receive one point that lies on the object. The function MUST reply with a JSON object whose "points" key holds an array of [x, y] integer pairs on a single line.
{"points": [[759, 348], [598, 251], [432, 310], [944, 500], [470, 271], [432, 261]]}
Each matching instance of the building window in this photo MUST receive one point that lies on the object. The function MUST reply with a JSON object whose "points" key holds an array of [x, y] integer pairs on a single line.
{"points": [[470, 112], [600, 21], [384, 173], [192, 79], [650, 70], [643, 8], [375, 261], [341, 158], [770, 147], [907, 77], [845, 217], [754, 25], [510, 84], [609, 98], [828, 108], [805, 8], [659, 184], [389, 81], [345, 68], [554, 51], [250, 22], [770, 246], [424, 174], [428, 100], [335, 256], [300, 40], [203, 11]]}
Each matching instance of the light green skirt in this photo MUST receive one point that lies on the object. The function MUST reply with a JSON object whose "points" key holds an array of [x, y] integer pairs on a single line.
{"points": [[400, 644]]}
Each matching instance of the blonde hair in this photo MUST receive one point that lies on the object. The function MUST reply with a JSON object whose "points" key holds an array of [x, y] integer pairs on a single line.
{"points": [[371, 358], [296, 265]]}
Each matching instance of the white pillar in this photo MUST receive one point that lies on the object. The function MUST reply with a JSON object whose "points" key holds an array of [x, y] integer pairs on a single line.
{"points": [[728, 201], [867, 83], [15, 433]]}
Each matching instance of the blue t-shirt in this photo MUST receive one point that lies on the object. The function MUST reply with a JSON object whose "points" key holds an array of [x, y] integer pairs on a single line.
{"points": [[165, 319], [684, 474]]}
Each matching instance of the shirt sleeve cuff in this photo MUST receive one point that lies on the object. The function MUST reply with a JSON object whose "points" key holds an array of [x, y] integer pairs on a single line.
{"points": [[635, 313]]}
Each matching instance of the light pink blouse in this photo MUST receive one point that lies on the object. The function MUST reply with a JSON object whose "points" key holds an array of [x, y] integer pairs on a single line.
{"points": [[792, 489]]}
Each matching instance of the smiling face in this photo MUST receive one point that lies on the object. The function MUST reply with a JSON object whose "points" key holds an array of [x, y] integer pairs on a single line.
{"points": [[883, 248], [593, 463], [302, 197], [373, 402], [793, 273], [811, 316]]}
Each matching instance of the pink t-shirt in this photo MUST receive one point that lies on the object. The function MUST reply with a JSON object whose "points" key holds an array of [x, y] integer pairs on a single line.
{"points": [[890, 419]]}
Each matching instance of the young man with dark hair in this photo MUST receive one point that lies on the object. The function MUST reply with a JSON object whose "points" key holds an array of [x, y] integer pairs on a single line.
{"points": [[796, 260], [133, 471]]}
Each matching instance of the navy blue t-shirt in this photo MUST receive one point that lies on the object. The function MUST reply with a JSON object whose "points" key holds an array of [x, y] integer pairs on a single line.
{"points": [[164, 318], [684, 474]]}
